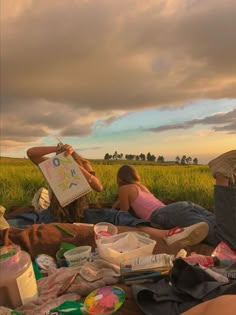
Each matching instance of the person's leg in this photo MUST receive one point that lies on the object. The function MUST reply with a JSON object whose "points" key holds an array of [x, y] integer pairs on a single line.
{"points": [[222, 223], [113, 216], [181, 213], [225, 201], [184, 214], [187, 236], [225, 210], [224, 304], [24, 219]]}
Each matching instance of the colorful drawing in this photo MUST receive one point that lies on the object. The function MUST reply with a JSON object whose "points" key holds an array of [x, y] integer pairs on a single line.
{"points": [[65, 178], [104, 301]]}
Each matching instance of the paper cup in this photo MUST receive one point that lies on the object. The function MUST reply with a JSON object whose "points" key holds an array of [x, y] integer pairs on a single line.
{"points": [[78, 256], [104, 229]]}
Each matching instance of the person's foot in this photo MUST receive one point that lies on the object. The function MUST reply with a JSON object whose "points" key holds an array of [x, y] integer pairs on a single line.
{"points": [[187, 236], [224, 164], [3, 223]]}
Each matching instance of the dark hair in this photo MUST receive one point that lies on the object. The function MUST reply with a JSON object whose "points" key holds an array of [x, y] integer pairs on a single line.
{"points": [[71, 213], [127, 174]]}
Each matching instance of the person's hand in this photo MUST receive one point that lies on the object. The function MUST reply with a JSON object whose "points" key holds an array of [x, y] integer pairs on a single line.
{"points": [[68, 149]]}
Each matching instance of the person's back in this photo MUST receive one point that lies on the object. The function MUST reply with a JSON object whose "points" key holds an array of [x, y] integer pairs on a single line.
{"points": [[132, 193], [145, 203]]}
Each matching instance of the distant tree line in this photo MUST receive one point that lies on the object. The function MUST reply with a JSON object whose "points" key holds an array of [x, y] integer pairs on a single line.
{"points": [[149, 157]]}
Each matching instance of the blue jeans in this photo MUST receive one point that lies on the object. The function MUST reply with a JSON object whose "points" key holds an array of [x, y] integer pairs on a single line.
{"points": [[112, 216], [222, 223], [92, 216], [33, 217]]}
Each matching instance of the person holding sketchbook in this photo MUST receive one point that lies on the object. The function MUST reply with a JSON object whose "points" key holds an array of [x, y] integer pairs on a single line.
{"points": [[133, 194], [55, 213], [78, 210], [73, 211], [182, 222]]}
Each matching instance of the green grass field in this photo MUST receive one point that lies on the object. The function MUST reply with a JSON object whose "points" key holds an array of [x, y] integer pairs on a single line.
{"points": [[20, 179]]}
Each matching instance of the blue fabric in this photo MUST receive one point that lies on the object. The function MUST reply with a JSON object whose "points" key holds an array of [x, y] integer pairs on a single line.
{"points": [[222, 223], [32, 217], [225, 212], [92, 216], [185, 213], [112, 216]]}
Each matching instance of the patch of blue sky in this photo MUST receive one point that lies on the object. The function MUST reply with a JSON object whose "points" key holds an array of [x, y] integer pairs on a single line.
{"points": [[171, 115]]}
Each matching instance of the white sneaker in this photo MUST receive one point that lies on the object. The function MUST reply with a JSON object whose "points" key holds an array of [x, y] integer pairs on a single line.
{"points": [[224, 164], [3, 223], [187, 236]]}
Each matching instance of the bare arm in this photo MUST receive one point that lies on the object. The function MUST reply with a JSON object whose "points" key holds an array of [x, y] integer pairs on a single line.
{"points": [[89, 174], [124, 198], [39, 154], [88, 171]]}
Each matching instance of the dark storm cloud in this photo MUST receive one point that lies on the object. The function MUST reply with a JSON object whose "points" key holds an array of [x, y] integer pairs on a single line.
{"points": [[101, 54]]}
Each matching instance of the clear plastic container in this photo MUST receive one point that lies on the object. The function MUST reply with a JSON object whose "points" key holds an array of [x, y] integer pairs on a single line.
{"points": [[18, 285], [104, 229], [124, 247]]}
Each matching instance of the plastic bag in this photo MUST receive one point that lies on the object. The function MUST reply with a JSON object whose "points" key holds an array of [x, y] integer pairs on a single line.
{"points": [[225, 254], [227, 258]]}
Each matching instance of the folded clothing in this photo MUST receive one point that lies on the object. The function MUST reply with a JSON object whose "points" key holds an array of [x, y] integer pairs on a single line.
{"points": [[186, 286]]}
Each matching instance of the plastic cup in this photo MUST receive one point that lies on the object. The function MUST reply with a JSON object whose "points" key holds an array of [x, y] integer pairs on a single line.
{"points": [[104, 229], [78, 256]]}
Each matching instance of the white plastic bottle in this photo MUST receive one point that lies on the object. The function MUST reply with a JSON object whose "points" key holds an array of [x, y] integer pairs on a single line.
{"points": [[17, 279]]}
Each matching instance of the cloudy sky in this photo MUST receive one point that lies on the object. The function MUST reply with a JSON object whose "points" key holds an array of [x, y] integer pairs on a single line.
{"points": [[131, 76]]}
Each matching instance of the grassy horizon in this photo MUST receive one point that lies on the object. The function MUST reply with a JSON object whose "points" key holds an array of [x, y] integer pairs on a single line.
{"points": [[20, 179]]}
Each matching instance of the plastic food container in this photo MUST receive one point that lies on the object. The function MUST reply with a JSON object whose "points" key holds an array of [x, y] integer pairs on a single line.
{"points": [[104, 229], [18, 285], [78, 256], [124, 247]]}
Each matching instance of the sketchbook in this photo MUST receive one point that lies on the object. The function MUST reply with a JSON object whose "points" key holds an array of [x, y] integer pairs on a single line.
{"points": [[65, 178]]}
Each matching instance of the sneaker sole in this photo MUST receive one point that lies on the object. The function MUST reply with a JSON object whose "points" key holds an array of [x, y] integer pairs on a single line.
{"points": [[221, 159], [194, 235]]}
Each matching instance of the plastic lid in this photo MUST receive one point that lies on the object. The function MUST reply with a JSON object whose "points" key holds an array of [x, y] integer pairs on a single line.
{"points": [[45, 261], [8, 251], [104, 301]]}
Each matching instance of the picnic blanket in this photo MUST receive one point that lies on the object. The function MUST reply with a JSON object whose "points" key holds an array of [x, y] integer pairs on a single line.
{"points": [[46, 238]]}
